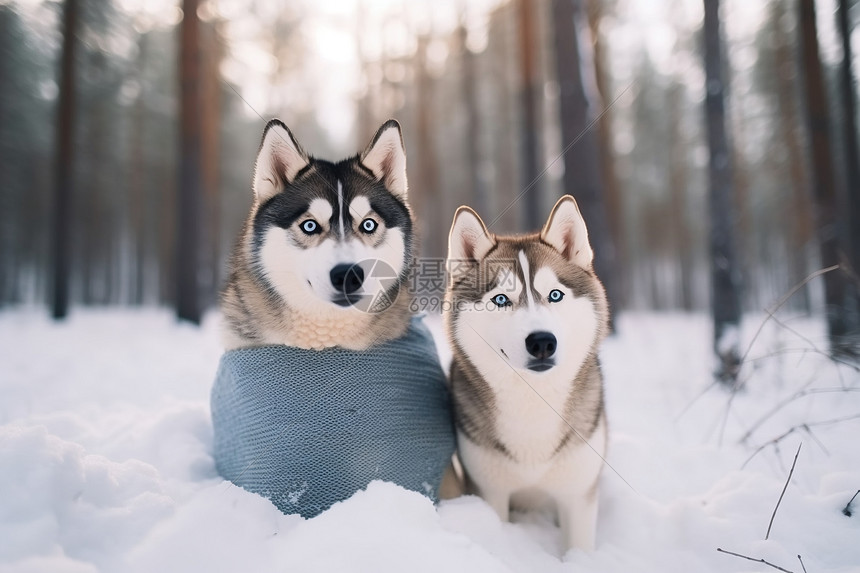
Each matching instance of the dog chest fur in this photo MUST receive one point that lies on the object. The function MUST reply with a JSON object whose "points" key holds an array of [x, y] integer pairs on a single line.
{"points": [[573, 469], [528, 415]]}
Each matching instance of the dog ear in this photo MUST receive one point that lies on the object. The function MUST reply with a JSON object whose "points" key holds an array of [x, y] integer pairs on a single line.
{"points": [[386, 158], [279, 159], [565, 230], [469, 239]]}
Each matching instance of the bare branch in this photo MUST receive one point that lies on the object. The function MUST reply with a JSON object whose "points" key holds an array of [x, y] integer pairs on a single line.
{"points": [[725, 420], [847, 509], [812, 435], [696, 399], [737, 384], [794, 331], [853, 365], [759, 560], [793, 429], [801, 563], [785, 487], [770, 312], [785, 351], [835, 420], [773, 442], [804, 391]]}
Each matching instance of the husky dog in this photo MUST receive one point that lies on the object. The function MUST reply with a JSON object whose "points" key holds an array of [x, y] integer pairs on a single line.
{"points": [[524, 315], [321, 240]]}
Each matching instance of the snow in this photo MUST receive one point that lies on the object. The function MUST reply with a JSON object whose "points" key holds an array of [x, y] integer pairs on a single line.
{"points": [[105, 462]]}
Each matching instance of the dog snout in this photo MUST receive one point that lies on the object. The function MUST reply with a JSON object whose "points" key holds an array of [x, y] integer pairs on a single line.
{"points": [[541, 344], [347, 278]]}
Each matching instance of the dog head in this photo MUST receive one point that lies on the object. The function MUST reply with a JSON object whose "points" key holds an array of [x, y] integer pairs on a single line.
{"points": [[530, 303], [332, 236]]}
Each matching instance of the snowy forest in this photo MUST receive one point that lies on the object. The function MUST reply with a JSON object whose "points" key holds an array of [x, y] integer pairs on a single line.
{"points": [[712, 146], [476, 87]]}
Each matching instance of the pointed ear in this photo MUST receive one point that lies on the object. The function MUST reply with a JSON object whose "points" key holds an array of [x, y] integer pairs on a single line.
{"points": [[469, 238], [565, 231], [386, 158], [280, 158]]}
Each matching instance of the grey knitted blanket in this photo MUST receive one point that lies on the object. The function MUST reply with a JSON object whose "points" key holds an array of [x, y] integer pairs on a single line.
{"points": [[309, 428]]}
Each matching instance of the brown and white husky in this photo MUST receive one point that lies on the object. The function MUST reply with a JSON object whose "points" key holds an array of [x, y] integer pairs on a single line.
{"points": [[525, 316]]}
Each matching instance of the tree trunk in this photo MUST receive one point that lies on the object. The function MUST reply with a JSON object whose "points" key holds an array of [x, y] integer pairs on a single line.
{"points": [[190, 201], [678, 185], [746, 246], [725, 281], [165, 211], [137, 183], [427, 207], [852, 157], [582, 175], [364, 106], [210, 149], [611, 189], [504, 107], [63, 185], [789, 130], [531, 184], [473, 127], [841, 309], [9, 227]]}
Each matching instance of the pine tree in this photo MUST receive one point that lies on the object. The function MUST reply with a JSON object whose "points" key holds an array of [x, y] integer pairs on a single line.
{"points": [[529, 141], [63, 184], [852, 150], [188, 236], [725, 281], [839, 292], [582, 166]]}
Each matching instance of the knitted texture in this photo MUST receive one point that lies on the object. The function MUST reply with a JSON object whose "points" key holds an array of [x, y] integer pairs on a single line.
{"points": [[309, 428]]}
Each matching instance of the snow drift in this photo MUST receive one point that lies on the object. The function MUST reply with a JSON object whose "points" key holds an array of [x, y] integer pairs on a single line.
{"points": [[106, 463]]}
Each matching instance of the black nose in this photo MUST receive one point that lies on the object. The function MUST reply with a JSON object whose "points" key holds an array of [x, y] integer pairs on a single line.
{"points": [[541, 345], [347, 278]]}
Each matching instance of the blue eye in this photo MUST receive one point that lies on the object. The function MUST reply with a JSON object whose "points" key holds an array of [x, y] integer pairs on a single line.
{"points": [[501, 300], [310, 227], [369, 225], [555, 295]]}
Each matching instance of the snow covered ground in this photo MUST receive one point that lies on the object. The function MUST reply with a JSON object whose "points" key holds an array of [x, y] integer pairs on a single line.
{"points": [[105, 463]]}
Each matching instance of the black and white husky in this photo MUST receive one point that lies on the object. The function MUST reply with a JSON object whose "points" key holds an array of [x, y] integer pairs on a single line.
{"points": [[325, 250], [525, 315]]}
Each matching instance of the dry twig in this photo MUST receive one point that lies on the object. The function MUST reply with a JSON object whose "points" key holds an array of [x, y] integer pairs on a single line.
{"points": [[803, 351], [785, 487], [737, 385], [801, 563], [759, 560], [793, 429], [782, 301], [847, 509], [804, 391]]}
